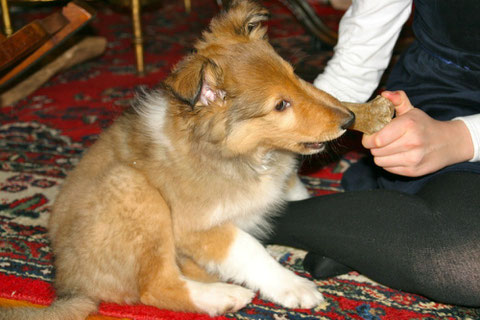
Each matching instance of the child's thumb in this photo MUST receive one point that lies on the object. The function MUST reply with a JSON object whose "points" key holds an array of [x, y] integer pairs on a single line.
{"points": [[400, 101]]}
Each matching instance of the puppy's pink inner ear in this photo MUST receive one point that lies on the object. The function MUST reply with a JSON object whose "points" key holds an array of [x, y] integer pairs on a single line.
{"points": [[209, 95]]}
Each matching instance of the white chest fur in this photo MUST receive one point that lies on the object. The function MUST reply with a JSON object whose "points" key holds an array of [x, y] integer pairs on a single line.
{"points": [[251, 202]]}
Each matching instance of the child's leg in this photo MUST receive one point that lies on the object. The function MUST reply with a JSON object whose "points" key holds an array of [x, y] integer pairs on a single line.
{"points": [[427, 243]]}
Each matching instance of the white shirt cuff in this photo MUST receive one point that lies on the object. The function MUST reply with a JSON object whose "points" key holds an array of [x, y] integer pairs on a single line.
{"points": [[473, 124]]}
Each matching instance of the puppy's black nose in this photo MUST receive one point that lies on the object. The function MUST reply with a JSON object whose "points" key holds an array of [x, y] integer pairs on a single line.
{"points": [[349, 122]]}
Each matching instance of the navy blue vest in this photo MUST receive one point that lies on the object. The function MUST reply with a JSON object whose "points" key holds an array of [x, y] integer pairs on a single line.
{"points": [[446, 24]]}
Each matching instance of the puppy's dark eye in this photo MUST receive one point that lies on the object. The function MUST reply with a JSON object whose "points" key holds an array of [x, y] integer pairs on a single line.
{"points": [[282, 105], [252, 26]]}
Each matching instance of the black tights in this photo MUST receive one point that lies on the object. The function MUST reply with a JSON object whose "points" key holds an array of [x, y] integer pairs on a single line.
{"points": [[427, 243]]}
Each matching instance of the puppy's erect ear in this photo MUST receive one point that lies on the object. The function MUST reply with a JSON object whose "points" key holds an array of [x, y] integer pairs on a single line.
{"points": [[195, 81], [242, 18]]}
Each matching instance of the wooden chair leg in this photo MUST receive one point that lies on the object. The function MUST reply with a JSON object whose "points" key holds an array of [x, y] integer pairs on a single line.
{"points": [[137, 35], [6, 18]]}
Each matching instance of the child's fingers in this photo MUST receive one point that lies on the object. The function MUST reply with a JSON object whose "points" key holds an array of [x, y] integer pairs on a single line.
{"points": [[390, 133]]}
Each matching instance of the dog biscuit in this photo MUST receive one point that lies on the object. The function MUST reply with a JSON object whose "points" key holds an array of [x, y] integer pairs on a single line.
{"points": [[372, 116]]}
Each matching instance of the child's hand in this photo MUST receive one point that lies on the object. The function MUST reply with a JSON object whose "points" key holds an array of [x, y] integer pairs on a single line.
{"points": [[414, 144]]}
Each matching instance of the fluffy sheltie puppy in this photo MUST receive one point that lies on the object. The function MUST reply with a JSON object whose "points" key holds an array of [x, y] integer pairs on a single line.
{"points": [[162, 208]]}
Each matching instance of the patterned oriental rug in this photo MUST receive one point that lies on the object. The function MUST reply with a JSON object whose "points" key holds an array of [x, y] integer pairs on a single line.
{"points": [[43, 136]]}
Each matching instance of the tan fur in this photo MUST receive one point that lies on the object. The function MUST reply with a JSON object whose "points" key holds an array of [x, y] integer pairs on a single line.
{"points": [[169, 185], [194, 271]]}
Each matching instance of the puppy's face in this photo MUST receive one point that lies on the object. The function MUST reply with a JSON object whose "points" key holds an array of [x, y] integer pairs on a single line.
{"points": [[242, 94], [273, 107]]}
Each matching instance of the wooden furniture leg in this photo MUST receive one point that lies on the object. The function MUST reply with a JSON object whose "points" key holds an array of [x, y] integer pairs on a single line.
{"points": [[137, 35], [188, 5], [137, 32], [6, 18]]}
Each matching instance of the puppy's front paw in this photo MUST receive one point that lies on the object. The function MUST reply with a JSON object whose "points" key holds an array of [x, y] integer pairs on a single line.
{"points": [[295, 292], [219, 298]]}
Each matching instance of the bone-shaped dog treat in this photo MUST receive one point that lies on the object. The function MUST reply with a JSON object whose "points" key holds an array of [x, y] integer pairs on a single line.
{"points": [[372, 116]]}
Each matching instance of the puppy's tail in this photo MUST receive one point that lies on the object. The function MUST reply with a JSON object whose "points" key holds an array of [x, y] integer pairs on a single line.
{"points": [[68, 308]]}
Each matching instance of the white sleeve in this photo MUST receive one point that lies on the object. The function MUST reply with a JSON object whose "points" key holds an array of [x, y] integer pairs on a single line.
{"points": [[367, 34], [473, 124]]}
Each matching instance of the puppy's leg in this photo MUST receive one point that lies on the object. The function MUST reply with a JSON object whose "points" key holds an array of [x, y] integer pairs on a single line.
{"points": [[237, 256], [162, 284], [160, 281], [192, 270], [167, 288]]}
